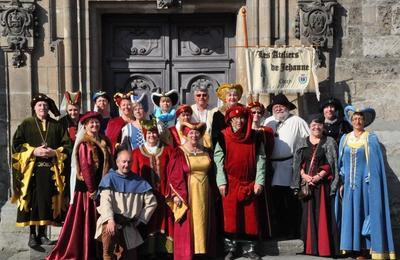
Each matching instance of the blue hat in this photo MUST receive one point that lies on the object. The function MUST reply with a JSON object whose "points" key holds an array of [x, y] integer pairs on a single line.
{"points": [[100, 94], [369, 114]]}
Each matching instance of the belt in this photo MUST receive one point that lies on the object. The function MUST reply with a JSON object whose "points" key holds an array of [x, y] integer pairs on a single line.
{"points": [[282, 159], [43, 164]]}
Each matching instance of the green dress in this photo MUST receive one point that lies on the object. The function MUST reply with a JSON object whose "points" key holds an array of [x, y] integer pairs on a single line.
{"points": [[38, 183]]}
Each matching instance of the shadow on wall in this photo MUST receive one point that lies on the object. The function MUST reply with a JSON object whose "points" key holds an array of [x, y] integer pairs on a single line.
{"points": [[394, 199], [4, 125]]}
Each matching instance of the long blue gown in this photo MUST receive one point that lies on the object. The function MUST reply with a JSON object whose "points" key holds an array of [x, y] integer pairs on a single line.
{"points": [[365, 220]]}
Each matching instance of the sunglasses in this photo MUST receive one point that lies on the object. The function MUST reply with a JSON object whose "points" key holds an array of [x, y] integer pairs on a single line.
{"points": [[201, 95], [256, 112]]}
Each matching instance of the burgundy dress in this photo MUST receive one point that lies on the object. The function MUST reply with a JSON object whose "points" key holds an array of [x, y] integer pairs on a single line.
{"points": [[153, 168], [318, 227], [76, 240]]}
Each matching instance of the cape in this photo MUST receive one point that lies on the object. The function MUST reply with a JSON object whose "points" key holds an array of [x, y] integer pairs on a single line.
{"points": [[130, 183], [328, 145]]}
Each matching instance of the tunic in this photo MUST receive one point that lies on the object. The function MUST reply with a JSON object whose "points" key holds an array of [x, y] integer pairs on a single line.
{"points": [[189, 179], [365, 219], [287, 133], [39, 182], [76, 240], [131, 197], [153, 169], [240, 165]]}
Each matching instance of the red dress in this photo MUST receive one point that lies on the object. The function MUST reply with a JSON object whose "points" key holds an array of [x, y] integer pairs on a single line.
{"points": [[114, 131], [76, 240], [153, 168]]}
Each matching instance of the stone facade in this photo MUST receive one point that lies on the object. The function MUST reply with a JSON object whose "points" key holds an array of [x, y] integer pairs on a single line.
{"points": [[362, 60]]}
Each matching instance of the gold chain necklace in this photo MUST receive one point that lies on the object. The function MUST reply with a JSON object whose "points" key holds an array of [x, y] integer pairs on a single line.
{"points": [[44, 140]]}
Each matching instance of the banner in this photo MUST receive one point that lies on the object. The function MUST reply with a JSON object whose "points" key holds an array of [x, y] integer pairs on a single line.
{"points": [[282, 70]]}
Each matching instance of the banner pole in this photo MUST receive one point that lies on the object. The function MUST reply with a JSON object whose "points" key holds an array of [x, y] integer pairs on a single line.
{"points": [[246, 37]]}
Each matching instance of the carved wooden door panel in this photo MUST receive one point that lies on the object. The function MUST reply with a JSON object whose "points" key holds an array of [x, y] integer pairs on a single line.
{"points": [[159, 52]]}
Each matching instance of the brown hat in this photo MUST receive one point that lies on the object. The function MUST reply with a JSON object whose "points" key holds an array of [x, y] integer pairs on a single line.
{"points": [[50, 102], [186, 127]]}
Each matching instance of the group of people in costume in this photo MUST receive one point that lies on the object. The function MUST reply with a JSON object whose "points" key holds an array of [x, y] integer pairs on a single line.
{"points": [[185, 181]]}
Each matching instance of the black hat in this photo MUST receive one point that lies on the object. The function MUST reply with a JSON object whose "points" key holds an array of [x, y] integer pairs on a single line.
{"points": [[331, 101], [42, 97], [281, 99], [172, 94]]}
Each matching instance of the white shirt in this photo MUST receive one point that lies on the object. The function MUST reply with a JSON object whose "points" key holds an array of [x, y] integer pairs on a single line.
{"points": [[205, 116], [287, 134]]}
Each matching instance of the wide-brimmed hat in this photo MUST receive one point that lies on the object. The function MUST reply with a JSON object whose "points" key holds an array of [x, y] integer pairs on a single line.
{"points": [[236, 111], [186, 127], [140, 100], [100, 94], [50, 102], [172, 94], [118, 97], [89, 115], [224, 88], [369, 114], [281, 99], [183, 108], [331, 102]]}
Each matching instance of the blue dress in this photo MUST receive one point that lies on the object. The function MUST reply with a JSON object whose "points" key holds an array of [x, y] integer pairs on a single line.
{"points": [[365, 217]]}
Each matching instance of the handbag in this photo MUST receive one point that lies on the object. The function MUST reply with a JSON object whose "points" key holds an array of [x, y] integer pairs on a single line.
{"points": [[305, 189]]}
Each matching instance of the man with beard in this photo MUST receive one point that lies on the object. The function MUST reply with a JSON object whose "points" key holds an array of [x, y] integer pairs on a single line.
{"points": [[288, 129]]}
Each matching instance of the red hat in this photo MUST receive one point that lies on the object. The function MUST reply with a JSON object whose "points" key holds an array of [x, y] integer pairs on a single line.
{"points": [[186, 127], [253, 102], [183, 108], [89, 115], [235, 111]]}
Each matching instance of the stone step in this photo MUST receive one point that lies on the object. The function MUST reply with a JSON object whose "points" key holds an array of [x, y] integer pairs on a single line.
{"points": [[13, 240]]}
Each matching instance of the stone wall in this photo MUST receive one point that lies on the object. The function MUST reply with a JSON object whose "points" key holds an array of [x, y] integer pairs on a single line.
{"points": [[367, 73], [362, 68]]}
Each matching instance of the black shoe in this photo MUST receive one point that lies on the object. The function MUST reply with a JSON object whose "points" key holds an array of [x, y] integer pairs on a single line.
{"points": [[45, 241], [230, 255], [252, 255], [32, 241]]}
